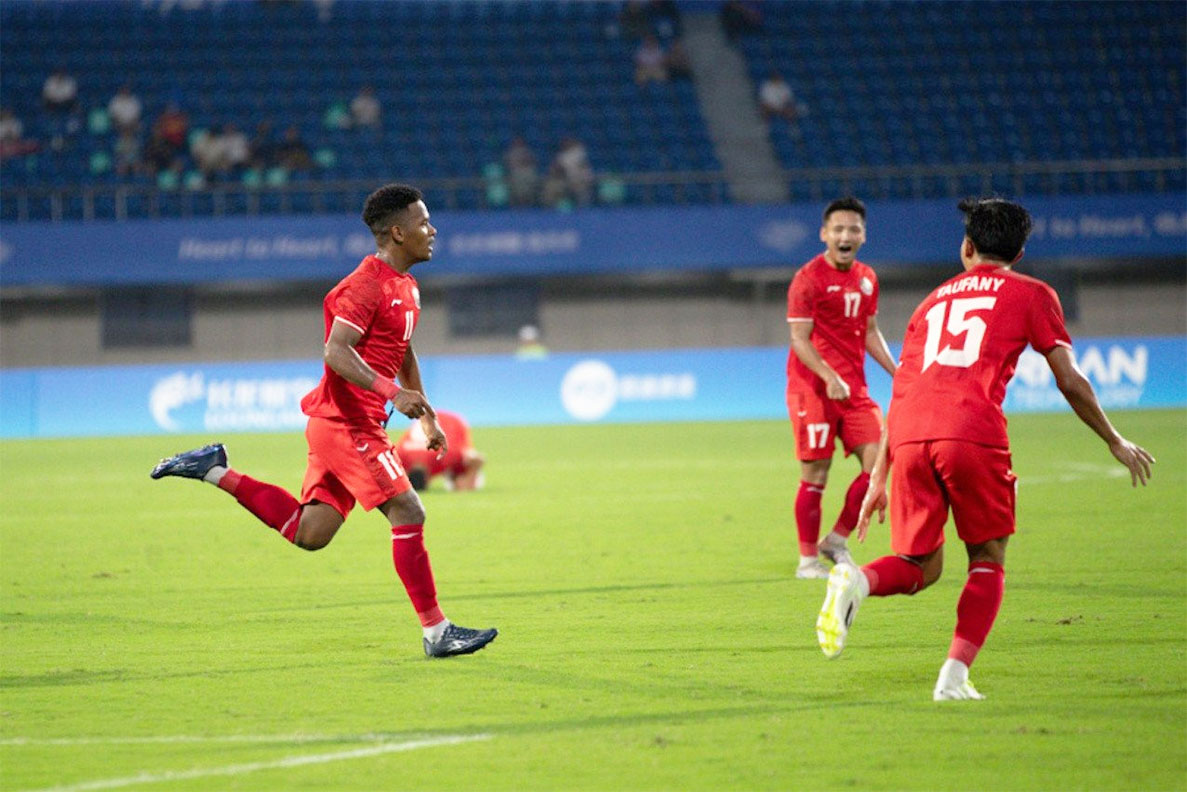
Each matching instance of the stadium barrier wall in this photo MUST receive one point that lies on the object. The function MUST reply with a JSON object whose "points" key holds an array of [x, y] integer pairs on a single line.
{"points": [[547, 242], [685, 385]]}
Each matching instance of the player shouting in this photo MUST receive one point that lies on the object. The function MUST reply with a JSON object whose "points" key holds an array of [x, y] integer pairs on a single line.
{"points": [[831, 310]]}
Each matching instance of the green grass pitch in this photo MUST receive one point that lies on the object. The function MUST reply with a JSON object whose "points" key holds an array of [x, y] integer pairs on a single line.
{"points": [[155, 636]]}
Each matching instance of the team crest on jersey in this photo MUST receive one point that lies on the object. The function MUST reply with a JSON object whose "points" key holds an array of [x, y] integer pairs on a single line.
{"points": [[867, 288], [416, 297]]}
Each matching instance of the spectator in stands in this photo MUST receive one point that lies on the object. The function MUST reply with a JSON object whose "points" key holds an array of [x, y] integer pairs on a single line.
{"points": [[263, 146], [11, 128], [740, 18], [158, 154], [777, 100], [573, 161], [523, 177], [128, 151], [13, 142], [677, 60], [292, 154], [555, 192], [59, 94], [173, 128], [208, 151], [650, 62], [364, 108], [125, 110], [531, 346], [236, 148]]}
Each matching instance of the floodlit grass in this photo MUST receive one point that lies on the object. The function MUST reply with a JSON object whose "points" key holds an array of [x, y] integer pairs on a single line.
{"points": [[156, 636]]}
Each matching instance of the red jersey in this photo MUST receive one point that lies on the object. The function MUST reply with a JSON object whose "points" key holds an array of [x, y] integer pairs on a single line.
{"points": [[383, 305], [960, 350], [413, 445], [839, 305]]}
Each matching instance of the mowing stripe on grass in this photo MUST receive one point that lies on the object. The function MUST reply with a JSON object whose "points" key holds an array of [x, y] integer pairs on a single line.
{"points": [[275, 764]]}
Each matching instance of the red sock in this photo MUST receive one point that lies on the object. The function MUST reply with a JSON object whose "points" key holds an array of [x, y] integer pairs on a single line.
{"points": [[853, 498], [977, 609], [275, 507], [807, 516], [412, 565], [893, 575]]}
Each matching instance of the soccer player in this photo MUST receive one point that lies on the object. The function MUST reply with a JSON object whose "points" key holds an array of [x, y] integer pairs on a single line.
{"points": [[461, 465], [832, 305], [369, 319], [946, 441]]}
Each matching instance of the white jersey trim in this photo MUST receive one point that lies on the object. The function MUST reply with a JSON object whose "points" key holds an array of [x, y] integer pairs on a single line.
{"points": [[348, 322], [800, 319]]}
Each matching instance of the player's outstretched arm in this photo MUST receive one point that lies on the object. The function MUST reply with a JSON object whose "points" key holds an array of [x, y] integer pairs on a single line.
{"points": [[1078, 391], [875, 498]]}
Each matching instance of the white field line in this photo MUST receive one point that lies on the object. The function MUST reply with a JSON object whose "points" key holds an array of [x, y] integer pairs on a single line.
{"points": [[195, 738], [275, 764], [1077, 472]]}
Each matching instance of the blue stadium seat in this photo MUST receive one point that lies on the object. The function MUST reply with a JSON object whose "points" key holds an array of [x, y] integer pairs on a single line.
{"points": [[904, 86]]}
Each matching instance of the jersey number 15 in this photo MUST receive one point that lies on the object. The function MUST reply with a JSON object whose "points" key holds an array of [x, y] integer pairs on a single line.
{"points": [[953, 316]]}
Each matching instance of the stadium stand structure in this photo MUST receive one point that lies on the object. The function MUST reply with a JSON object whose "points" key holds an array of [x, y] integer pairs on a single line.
{"points": [[892, 84], [926, 97]]}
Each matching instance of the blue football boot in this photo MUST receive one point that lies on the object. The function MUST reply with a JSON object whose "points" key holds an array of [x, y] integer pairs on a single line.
{"points": [[459, 641], [192, 464]]}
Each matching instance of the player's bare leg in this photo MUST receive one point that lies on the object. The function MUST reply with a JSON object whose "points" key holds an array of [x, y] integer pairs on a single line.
{"points": [[442, 638], [318, 524], [975, 614], [813, 478]]}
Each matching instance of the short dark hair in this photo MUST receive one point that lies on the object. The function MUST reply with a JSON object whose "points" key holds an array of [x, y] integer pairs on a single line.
{"points": [[382, 206], [997, 228], [846, 204]]}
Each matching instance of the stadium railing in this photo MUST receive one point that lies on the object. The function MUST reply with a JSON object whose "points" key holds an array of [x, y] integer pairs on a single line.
{"points": [[127, 201]]}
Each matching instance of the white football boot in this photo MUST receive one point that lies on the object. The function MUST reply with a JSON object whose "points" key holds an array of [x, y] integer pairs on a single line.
{"points": [[811, 568], [953, 683], [847, 588], [836, 549]]}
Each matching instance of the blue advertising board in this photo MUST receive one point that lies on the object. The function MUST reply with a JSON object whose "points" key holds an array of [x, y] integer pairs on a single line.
{"points": [[544, 242], [674, 385]]}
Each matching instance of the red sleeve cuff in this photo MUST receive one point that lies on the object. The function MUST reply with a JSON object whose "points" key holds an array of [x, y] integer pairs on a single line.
{"points": [[384, 387]]}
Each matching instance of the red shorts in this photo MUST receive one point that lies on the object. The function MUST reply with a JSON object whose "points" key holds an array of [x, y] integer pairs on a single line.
{"points": [[818, 422], [927, 478], [351, 463]]}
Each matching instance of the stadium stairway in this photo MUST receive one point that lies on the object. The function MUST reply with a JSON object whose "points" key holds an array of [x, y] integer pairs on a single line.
{"points": [[729, 105]]}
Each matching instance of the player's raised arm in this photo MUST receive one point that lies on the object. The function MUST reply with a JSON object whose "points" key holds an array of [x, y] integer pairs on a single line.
{"points": [[1076, 388], [341, 356]]}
